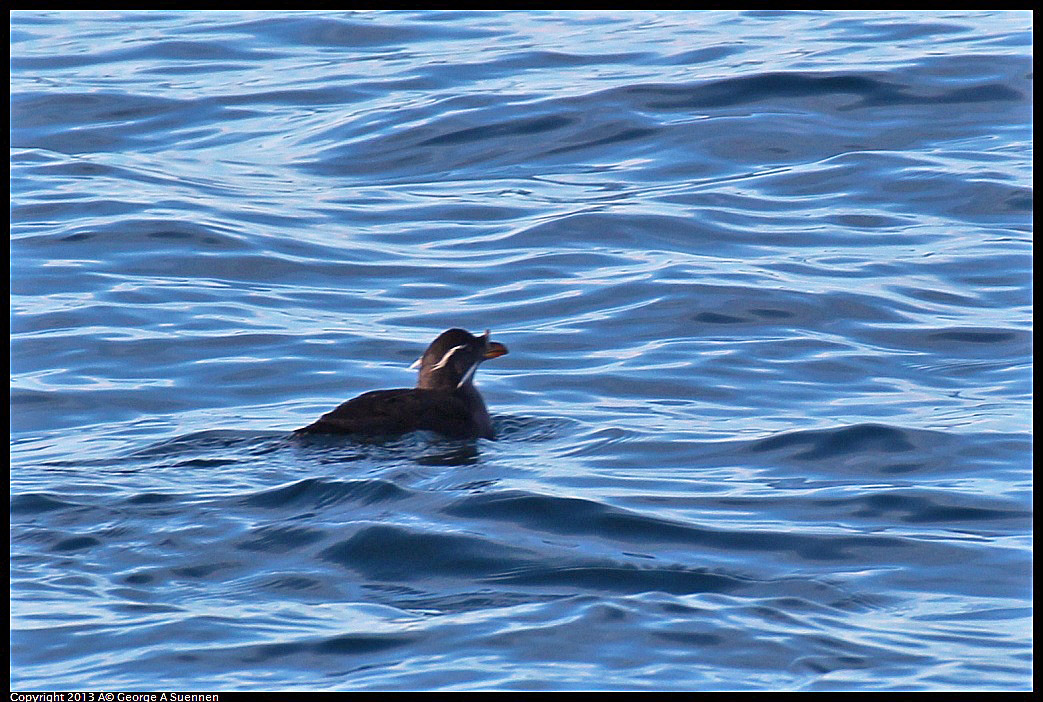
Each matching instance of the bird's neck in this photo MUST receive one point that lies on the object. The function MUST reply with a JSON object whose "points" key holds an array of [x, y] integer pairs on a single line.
{"points": [[479, 414]]}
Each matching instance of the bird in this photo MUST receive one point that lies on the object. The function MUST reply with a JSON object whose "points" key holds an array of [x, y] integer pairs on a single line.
{"points": [[444, 400]]}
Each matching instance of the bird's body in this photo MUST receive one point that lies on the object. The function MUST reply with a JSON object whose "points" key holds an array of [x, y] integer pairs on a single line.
{"points": [[445, 399]]}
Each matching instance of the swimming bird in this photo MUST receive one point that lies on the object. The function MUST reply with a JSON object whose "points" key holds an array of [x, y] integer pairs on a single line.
{"points": [[444, 400]]}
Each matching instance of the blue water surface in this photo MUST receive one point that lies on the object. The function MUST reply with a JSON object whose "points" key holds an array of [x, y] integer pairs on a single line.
{"points": [[765, 278]]}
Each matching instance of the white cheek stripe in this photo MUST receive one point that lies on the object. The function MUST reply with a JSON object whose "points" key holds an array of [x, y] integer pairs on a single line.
{"points": [[448, 354], [469, 374]]}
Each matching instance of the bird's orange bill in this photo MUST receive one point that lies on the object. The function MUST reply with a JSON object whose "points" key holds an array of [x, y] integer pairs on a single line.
{"points": [[495, 349]]}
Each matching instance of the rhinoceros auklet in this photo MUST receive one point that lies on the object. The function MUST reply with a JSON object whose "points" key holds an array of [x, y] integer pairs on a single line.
{"points": [[444, 400]]}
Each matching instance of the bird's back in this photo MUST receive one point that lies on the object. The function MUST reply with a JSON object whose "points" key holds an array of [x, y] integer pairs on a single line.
{"points": [[398, 411]]}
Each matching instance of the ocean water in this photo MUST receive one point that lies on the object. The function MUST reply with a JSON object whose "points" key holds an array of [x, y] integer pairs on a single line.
{"points": [[765, 278]]}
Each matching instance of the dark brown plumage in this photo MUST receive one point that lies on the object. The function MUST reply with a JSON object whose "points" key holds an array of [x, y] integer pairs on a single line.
{"points": [[445, 399]]}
